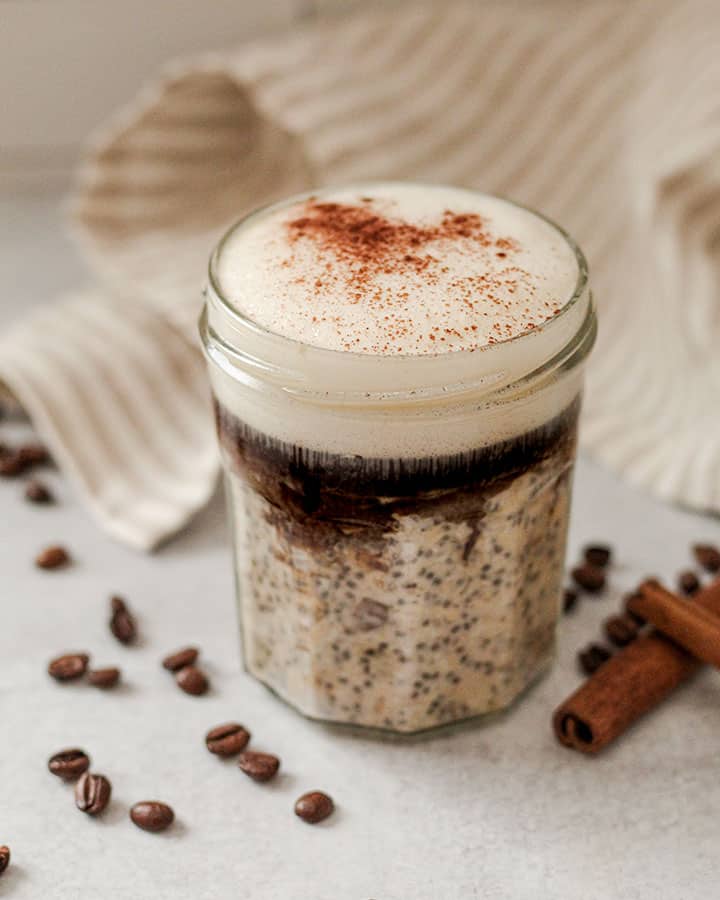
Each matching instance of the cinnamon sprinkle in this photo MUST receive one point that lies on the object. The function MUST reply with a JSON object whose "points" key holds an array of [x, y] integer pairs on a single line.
{"points": [[367, 243]]}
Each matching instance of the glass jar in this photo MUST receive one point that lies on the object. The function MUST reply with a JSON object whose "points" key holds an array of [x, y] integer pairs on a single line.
{"points": [[398, 522]]}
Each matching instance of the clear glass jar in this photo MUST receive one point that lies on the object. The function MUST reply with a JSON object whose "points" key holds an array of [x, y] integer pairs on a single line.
{"points": [[398, 522]]}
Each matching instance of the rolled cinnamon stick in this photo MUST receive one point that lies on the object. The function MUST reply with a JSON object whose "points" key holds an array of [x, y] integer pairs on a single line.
{"points": [[628, 685], [692, 626]]}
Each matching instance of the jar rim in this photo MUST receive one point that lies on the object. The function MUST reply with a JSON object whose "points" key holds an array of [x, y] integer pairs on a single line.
{"points": [[232, 338]]}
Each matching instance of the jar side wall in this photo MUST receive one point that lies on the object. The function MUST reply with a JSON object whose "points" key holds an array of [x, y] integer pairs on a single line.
{"points": [[443, 610]]}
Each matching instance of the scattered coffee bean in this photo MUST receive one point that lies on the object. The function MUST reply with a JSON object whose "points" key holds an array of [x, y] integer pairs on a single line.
{"points": [[590, 578], [259, 766], [570, 599], [68, 667], [314, 807], [639, 620], [4, 858], [52, 558], [33, 455], [688, 583], [181, 658], [151, 815], [598, 555], [122, 621], [92, 793], [37, 492], [708, 556], [69, 764], [192, 680], [621, 630], [11, 464], [104, 678], [592, 657], [227, 740]]}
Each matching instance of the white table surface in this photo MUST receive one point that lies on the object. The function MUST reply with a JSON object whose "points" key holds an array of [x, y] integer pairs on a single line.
{"points": [[499, 811]]}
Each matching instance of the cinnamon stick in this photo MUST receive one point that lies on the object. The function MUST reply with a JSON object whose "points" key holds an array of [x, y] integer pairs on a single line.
{"points": [[628, 685], [692, 626]]}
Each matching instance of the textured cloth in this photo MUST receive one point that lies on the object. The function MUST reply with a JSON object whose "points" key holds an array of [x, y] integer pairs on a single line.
{"points": [[605, 116]]}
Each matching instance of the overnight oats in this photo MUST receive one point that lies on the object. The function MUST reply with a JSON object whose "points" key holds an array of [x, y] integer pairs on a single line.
{"points": [[397, 373]]}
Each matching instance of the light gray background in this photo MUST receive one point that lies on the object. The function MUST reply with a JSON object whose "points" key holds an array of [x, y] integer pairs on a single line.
{"points": [[499, 811]]}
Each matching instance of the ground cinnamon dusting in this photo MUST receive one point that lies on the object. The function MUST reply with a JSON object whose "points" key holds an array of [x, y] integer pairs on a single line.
{"points": [[366, 243]]}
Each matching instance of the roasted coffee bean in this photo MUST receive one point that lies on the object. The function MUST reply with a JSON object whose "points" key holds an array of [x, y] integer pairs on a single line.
{"points": [[708, 556], [192, 680], [122, 621], [621, 630], [639, 620], [151, 815], [589, 578], [104, 678], [314, 807], [68, 667], [592, 657], [688, 583], [52, 558], [69, 764], [37, 492], [92, 793], [259, 766], [33, 454], [570, 599], [11, 464], [181, 658], [227, 740], [4, 858], [598, 555]]}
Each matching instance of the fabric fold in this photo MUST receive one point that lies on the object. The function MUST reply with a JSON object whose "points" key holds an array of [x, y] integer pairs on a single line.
{"points": [[603, 118]]}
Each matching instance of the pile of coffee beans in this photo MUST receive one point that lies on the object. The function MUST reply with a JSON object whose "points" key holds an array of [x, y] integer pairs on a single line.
{"points": [[589, 576], [73, 666], [622, 629], [188, 677], [93, 791], [231, 739]]}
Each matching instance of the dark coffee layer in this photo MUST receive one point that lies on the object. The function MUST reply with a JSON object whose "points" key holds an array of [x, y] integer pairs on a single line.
{"points": [[359, 488]]}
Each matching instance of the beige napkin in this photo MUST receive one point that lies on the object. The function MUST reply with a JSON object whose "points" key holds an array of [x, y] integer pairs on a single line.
{"points": [[604, 115]]}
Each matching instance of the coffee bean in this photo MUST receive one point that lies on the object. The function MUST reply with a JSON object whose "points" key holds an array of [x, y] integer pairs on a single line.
{"points": [[598, 555], [259, 766], [180, 659], [589, 578], [192, 680], [68, 667], [69, 764], [122, 621], [92, 793], [314, 807], [639, 620], [4, 858], [570, 599], [621, 630], [227, 740], [688, 583], [33, 454], [592, 657], [37, 492], [52, 558], [708, 556], [151, 815], [104, 678], [11, 464]]}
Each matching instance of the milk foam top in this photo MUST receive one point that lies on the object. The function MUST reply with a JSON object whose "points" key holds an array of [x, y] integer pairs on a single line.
{"points": [[397, 269]]}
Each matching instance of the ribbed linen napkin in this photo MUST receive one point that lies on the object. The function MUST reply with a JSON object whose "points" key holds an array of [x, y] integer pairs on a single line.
{"points": [[604, 115]]}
